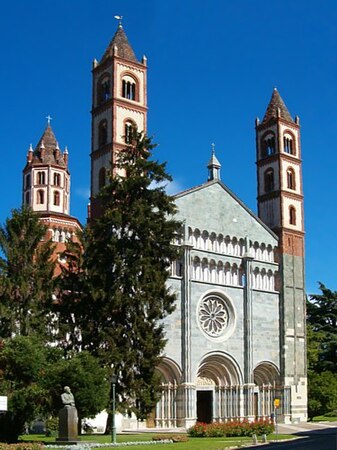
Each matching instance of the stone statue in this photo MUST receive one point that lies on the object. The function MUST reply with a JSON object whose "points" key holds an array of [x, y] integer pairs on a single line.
{"points": [[67, 397], [68, 419]]}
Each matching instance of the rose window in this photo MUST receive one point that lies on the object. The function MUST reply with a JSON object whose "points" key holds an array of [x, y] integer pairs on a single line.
{"points": [[213, 316]]}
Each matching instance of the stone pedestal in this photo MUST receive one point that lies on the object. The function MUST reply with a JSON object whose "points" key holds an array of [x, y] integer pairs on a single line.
{"points": [[68, 424]]}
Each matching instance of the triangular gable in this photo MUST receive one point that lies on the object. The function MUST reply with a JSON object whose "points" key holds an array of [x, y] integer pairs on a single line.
{"points": [[212, 206]]}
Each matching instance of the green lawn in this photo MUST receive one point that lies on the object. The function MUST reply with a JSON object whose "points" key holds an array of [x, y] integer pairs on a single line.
{"points": [[193, 443], [324, 419]]}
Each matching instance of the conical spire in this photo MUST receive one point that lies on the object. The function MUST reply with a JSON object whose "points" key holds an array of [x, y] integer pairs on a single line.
{"points": [[213, 166], [120, 46], [49, 145], [276, 108]]}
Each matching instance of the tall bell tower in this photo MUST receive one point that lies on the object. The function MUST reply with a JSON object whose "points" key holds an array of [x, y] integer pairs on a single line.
{"points": [[280, 206], [119, 104]]}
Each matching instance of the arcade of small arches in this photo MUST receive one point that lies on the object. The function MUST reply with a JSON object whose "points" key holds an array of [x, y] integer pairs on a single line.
{"points": [[210, 271], [217, 391], [229, 245]]}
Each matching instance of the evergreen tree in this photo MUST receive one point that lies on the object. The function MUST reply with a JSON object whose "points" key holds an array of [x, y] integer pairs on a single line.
{"points": [[122, 284], [322, 317], [26, 275]]}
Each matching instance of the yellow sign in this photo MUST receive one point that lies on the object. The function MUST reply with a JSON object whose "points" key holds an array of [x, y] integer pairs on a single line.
{"points": [[277, 402]]}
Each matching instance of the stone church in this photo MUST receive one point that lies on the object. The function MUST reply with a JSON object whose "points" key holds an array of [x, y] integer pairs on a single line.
{"points": [[236, 340]]}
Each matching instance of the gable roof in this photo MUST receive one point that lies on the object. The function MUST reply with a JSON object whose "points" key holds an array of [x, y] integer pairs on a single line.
{"points": [[232, 195]]}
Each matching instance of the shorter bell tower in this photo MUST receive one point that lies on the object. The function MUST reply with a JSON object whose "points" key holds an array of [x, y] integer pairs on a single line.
{"points": [[280, 206], [46, 189]]}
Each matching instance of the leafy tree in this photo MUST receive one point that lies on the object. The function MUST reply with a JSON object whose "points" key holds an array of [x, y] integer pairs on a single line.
{"points": [[33, 376], [26, 275], [22, 366], [121, 296], [322, 393], [88, 382], [322, 318]]}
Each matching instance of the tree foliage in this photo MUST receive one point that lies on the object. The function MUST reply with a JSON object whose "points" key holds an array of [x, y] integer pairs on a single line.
{"points": [[26, 275], [322, 318], [322, 352], [33, 376], [122, 281]]}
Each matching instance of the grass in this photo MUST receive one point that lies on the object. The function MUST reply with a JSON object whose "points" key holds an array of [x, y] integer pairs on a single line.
{"points": [[324, 419], [193, 443]]}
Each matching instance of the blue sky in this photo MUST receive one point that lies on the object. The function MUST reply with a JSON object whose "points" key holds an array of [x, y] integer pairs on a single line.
{"points": [[212, 67]]}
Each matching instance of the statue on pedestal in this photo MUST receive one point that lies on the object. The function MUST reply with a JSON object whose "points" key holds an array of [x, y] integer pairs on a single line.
{"points": [[68, 418]]}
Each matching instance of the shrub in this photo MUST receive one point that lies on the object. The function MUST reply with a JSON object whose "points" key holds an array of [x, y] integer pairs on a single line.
{"points": [[233, 428], [22, 446]]}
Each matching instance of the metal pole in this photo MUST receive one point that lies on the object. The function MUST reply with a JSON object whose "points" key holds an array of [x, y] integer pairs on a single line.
{"points": [[113, 422]]}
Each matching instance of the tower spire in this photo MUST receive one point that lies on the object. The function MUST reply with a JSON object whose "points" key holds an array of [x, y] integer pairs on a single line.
{"points": [[276, 108]]}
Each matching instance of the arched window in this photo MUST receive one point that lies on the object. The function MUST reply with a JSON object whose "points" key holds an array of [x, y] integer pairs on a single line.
{"points": [[104, 89], [102, 133], [57, 179], [269, 180], [129, 129], [288, 145], [291, 179], [292, 215], [40, 197], [56, 198], [268, 146], [27, 198], [41, 178], [28, 181], [101, 177], [129, 89]]}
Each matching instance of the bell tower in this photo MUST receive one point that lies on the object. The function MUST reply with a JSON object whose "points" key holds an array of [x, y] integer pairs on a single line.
{"points": [[46, 189], [280, 206], [119, 104]]}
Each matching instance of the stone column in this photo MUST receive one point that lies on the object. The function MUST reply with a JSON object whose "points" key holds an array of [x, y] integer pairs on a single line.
{"points": [[188, 387]]}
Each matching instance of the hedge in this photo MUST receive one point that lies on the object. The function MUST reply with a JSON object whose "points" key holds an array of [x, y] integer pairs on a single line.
{"points": [[231, 429]]}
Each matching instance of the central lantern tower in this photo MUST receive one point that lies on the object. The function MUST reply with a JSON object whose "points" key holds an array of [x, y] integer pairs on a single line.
{"points": [[119, 104]]}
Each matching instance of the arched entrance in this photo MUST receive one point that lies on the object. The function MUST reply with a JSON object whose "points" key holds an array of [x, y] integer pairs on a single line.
{"points": [[267, 381], [167, 413], [218, 388]]}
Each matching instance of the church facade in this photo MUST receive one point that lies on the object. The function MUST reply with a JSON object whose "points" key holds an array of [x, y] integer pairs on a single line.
{"points": [[236, 340]]}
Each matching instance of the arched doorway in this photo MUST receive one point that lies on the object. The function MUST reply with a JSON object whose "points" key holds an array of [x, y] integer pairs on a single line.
{"points": [[267, 381], [218, 388], [166, 413]]}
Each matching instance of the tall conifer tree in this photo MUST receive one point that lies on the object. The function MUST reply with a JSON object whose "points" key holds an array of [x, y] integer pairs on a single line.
{"points": [[128, 251], [26, 275]]}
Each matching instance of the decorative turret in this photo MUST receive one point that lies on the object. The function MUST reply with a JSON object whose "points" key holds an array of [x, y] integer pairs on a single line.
{"points": [[213, 166]]}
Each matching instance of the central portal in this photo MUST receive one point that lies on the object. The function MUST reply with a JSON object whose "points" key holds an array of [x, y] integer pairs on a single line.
{"points": [[205, 406]]}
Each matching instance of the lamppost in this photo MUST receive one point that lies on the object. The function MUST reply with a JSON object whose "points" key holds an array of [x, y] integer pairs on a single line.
{"points": [[113, 380]]}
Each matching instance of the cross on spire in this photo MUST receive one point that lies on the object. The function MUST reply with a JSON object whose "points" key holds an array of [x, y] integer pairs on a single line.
{"points": [[213, 148], [49, 119], [119, 18]]}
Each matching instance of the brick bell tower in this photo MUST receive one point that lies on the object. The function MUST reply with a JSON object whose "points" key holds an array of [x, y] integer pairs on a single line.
{"points": [[119, 103], [280, 206], [46, 189]]}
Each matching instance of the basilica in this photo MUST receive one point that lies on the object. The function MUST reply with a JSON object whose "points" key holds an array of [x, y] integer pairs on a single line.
{"points": [[236, 340]]}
